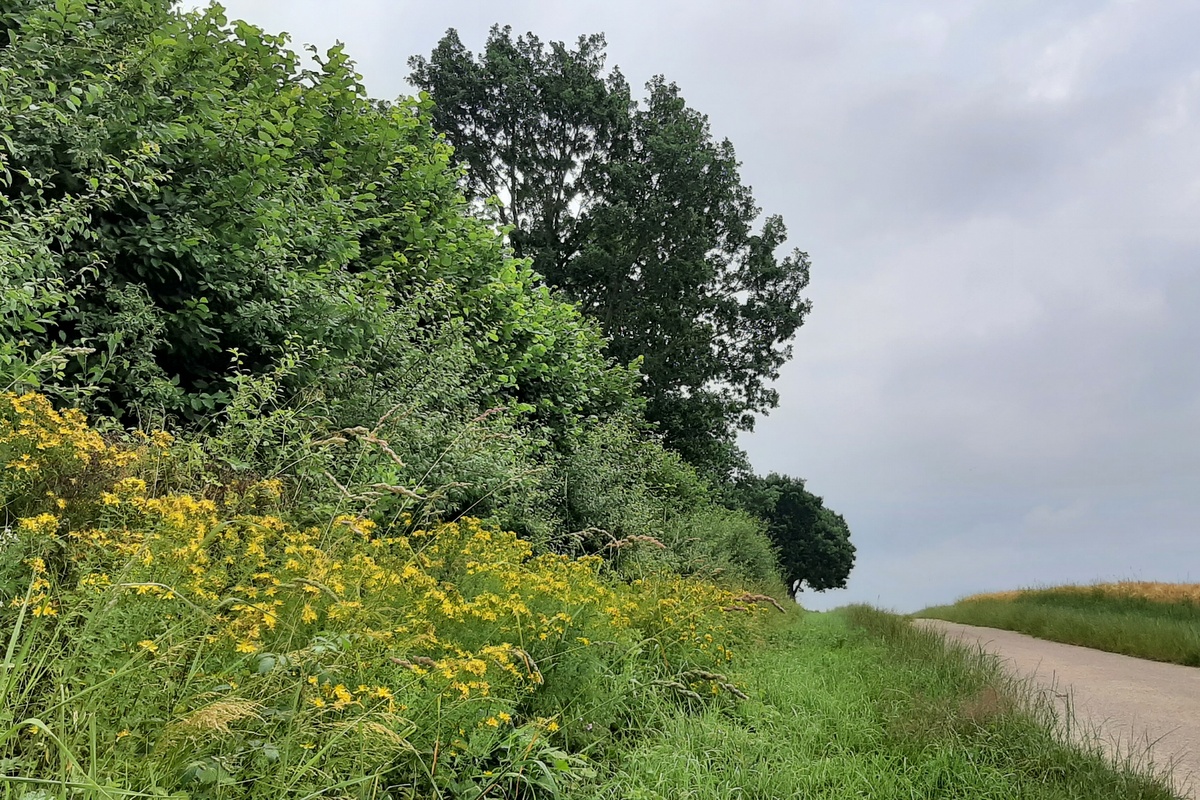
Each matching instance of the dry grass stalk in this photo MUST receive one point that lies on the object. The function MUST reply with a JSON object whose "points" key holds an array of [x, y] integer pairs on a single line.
{"points": [[759, 598], [617, 544], [211, 720], [530, 665], [417, 661]]}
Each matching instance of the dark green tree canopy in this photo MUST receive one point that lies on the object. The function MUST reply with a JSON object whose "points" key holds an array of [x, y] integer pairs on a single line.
{"points": [[637, 214], [813, 541]]}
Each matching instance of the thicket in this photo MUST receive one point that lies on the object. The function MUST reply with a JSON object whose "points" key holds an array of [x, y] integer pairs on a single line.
{"points": [[199, 227], [298, 593]]}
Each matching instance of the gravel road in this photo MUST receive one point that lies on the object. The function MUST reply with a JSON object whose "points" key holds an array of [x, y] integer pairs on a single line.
{"points": [[1132, 705]]}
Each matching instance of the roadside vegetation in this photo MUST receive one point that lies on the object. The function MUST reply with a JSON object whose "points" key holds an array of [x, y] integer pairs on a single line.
{"points": [[1158, 621], [858, 703], [310, 484], [206, 643], [161, 641]]}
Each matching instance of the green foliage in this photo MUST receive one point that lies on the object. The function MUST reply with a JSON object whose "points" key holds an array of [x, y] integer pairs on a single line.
{"points": [[646, 509], [244, 240], [167, 641], [203, 231], [622, 481], [813, 541], [638, 215], [719, 544], [179, 187]]}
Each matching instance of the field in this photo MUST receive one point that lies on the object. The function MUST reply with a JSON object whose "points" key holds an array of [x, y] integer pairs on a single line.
{"points": [[1158, 621]]}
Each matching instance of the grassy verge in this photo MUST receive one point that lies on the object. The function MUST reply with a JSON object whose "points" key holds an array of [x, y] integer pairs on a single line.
{"points": [[1154, 621], [859, 704]]}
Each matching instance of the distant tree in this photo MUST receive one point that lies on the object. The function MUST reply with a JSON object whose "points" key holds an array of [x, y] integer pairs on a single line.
{"points": [[813, 541], [638, 215]]}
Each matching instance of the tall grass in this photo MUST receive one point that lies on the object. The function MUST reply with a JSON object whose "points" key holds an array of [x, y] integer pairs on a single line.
{"points": [[1148, 620], [858, 703]]}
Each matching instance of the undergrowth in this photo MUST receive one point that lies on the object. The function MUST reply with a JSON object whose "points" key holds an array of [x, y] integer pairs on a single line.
{"points": [[165, 643], [213, 644], [1148, 620]]}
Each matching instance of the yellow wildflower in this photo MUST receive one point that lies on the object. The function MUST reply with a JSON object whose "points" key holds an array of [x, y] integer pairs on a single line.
{"points": [[45, 609], [41, 524], [342, 696]]}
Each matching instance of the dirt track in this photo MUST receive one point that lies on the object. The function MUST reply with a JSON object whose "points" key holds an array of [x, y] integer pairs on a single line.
{"points": [[1150, 707]]}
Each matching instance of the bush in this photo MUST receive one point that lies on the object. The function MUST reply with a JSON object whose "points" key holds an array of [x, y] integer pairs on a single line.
{"points": [[715, 543], [175, 188]]}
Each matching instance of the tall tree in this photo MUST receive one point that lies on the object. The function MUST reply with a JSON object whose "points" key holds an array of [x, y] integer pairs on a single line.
{"points": [[637, 214]]}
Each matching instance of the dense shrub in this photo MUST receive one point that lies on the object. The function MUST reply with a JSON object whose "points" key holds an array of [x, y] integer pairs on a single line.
{"points": [[177, 188], [410, 528]]}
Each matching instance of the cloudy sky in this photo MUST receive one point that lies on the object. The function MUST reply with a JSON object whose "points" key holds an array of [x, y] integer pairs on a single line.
{"points": [[999, 384]]}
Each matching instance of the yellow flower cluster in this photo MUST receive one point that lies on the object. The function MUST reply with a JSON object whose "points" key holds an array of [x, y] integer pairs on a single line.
{"points": [[472, 601], [459, 611], [34, 437]]}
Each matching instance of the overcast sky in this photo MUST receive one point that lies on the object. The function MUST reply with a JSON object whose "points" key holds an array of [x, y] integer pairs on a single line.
{"points": [[998, 386]]}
